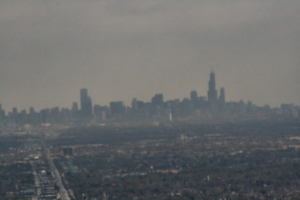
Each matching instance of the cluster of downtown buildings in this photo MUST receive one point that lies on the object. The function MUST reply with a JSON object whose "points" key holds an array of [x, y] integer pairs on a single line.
{"points": [[197, 107]]}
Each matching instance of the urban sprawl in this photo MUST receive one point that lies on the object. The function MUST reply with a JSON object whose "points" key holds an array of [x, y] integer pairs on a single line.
{"points": [[200, 148]]}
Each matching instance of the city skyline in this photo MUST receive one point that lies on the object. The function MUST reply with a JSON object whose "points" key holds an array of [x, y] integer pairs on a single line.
{"points": [[157, 110], [86, 103], [122, 50], [86, 108]]}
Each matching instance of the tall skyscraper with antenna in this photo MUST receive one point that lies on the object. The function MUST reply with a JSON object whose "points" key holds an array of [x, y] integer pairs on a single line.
{"points": [[212, 93]]}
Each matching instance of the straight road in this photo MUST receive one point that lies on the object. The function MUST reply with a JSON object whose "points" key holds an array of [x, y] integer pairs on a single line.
{"points": [[37, 182], [62, 191]]}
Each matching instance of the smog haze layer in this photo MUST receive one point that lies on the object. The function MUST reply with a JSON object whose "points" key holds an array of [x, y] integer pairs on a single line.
{"points": [[120, 50]]}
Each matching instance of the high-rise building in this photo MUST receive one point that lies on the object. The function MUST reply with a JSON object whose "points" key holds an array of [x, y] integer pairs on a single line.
{"points": [[83, 95], [86, 104], [222, 99], [74, 110], [134, 105], [212, 93], [222, 95], [15, 111], [117, 108], [31, 110], [157, 100], [194, 96]]}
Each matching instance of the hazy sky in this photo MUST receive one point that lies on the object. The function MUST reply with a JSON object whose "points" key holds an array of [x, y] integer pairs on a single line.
{"points": [[119, 50]]}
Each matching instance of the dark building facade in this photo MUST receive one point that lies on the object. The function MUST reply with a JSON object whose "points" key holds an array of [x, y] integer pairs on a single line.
{"points": [[117, 108], [222, 95], [86, 104], [212, 93], [157, 100], [194, 96]]}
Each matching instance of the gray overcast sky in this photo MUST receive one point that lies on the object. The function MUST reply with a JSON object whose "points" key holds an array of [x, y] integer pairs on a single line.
{"points": [[119, 50]]}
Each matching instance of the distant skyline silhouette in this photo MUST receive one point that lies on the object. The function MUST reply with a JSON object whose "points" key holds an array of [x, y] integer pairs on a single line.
{"points": [[49, 50]]}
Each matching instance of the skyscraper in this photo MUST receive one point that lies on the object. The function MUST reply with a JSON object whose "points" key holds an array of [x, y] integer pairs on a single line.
{"points": [[157, 100], [74, 110], [117, 107], [222, 99], [86, 104], [83, 94], [222, 96], [212, 93], [194, 96], [134, 105]]}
